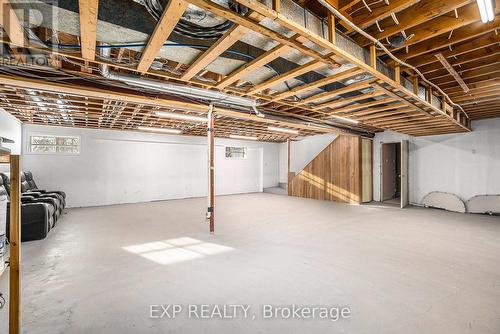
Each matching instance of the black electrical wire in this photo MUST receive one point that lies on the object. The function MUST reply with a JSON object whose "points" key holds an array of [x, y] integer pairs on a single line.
{"points": [[192, 30]]}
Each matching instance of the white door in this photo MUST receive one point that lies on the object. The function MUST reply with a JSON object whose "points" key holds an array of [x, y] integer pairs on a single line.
{"points": [[404, 173]]}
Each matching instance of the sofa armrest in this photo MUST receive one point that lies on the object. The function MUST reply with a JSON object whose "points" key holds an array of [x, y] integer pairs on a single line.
{"points": [[35, 219]]}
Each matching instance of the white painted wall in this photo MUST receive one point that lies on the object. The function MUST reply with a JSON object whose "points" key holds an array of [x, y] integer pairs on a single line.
{"points": [[463, 164], [10, 128], [126, 167], [302, 152]]}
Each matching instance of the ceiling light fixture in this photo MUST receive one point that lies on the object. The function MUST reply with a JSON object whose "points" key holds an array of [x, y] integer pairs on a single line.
{"points": [[291, 131], [345, 119], [242, 137], [184, 117], [486, 10], [163, 130]]}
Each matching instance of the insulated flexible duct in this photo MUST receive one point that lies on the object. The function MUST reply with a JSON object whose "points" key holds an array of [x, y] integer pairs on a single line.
{"points": [[189, 29]]}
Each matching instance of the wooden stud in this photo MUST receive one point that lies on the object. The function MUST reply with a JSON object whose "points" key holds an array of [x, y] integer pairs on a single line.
{"points": [[171, 15], [373, 56], [88, 27], [429, 94], [11, 24], [415, 84], [397, 74], [277, 5], [331, 28], [15, 245], [253, 65], [229, 38]]}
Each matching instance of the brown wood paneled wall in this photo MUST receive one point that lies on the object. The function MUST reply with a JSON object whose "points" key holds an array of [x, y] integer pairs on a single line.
{"points": [[334, 175]]}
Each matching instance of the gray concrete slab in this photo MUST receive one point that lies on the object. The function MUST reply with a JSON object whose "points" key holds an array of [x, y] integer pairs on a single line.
{"points": [[399, 271]]}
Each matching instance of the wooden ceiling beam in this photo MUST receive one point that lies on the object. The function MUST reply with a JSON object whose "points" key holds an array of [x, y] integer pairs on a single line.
{"points": [[383, 115], [476, 87], [258, 62], [475, 91], [452, 72], [343, 101], [379, 13], [319, 83], [358, 106], [88, 27], [348, 4], [82, 91], [487, 70], [334, 50], [490, 93], [419, 13], [11, 24], [464, 68], [171, 15], [344, 90], [222, 44], [476, 80], [487, 40], [443, 41], [458, 61], [298, 71], [443, 24]]}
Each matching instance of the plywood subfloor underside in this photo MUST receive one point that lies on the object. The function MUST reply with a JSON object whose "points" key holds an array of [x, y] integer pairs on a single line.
{"points": [[401, 271]]}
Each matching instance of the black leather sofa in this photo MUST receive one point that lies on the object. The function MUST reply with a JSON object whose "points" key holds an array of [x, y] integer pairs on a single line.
{"points": [[32, 187], [37, 215], [47, 198]]}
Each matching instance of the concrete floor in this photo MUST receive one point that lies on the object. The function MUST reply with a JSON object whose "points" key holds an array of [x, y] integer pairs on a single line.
{"points": [[399, 271]]}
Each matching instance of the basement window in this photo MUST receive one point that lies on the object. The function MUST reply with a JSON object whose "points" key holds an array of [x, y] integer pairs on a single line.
{"points": [[54, 144], [236, 152]]}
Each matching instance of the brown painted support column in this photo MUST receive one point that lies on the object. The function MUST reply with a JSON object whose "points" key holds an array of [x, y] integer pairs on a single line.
{"points": [[15, 245], [288, 178], [211, 174]]}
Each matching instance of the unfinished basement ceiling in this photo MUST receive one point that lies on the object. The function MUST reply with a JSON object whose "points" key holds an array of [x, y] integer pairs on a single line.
{"points": [[297, 78]]}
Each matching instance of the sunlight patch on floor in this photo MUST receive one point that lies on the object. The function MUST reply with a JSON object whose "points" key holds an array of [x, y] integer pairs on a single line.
{"points": [[176, 250]]}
